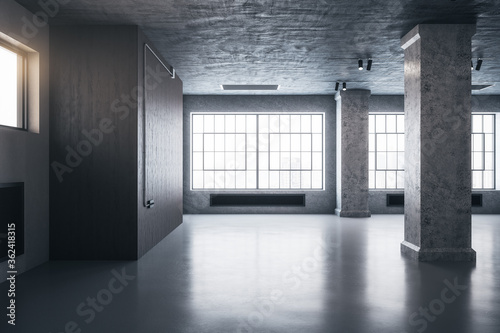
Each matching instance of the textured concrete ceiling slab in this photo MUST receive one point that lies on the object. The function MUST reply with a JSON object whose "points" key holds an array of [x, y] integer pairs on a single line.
{"points": [[304, 46]]}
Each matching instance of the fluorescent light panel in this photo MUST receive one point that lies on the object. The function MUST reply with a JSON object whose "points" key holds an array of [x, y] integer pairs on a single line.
{"points": [[250, 86]]}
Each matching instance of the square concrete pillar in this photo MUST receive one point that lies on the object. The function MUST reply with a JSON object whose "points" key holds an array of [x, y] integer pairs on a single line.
{"points": [[352, 153], [438, 142]]}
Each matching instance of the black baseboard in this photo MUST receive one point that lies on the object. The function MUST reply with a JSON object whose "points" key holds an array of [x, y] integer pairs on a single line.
{"points": [[246, 200]]}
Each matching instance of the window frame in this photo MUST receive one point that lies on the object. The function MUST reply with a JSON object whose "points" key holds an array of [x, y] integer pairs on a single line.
{"points": [[495, 155], [257, 170], [22, 86]]}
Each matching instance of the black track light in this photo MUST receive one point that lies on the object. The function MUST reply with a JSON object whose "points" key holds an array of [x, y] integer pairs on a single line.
{"points": [[369, 66], [479, 63], [360, 64], [344, 86], [336, 86]]}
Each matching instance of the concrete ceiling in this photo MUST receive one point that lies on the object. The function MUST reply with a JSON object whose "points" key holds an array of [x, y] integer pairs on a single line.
{"points": [[303, 45]]}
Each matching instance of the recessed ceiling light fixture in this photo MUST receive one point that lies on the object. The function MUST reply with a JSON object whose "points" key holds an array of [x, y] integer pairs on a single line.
{"points": [[250, 86], [344, 86], [369, 66], [336, 86], [360, 64], [479, 64]]}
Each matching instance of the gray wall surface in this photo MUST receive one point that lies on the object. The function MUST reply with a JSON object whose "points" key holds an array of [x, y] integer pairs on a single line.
{"points": [[317, 202], [25, 154]]}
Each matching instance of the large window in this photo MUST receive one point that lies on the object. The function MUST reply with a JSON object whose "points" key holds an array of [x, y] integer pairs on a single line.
{"points": [[257, 151], [386, 151], [483, 151], [12, 91]]}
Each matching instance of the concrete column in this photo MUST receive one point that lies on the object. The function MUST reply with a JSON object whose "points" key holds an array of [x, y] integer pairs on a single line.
{"points": [[438, 142], [352, 153]]}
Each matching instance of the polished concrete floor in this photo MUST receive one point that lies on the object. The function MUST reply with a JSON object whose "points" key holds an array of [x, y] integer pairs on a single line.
{"points": [[269, 273]]}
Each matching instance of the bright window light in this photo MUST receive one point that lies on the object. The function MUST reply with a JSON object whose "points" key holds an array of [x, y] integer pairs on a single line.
{"points": [[386, 151], [11, 91], [257, 151], [483, 151]]}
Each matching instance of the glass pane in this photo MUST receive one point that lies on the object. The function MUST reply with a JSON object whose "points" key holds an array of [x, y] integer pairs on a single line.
{"points": [[371, 123], [477, 123], [219, 142], [306, 161], [264, 142], [197, 142], [305, 179], [219, 160], [371, 179], [380, 179], [251, 179], [240, 142], [8, 88], [305, 124], [401, 160], [251, 161], [240, 161], [197, 161], [208, 179], [317, 143], [230, 180], [219, 123], [477, 142], [251, 123], [263, 161], [381, 161], [241, 123], [477, 161], [371, 161], [209, 124], [477, 179], [371, 142], [274, 123], [392, 161], [317, 124], [274, 179], [489, 161], [208, 142], [285, 179], [306, 142], [230, 123], [285, 123], [274, 142], [274, 160], [391, 179], [285, 161], [488, 180], [263, 179], [295, 123], [285, 142], [489, 142], [295, 142], [392, 142], [380, 123], [241, 179], [317, 179], [401, 123], [381, 142], [401, 179], [251, 142], [197, 179], [263, 124], [317, 161], [401, 142], [219, 179], [391, 123], [295, 179], [488, 123], [197, 123], [295, 160], [230, 142], [230, 161], [208, 161]]}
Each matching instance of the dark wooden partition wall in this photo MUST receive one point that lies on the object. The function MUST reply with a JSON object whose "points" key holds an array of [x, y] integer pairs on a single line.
{"points": [[99, 99]]}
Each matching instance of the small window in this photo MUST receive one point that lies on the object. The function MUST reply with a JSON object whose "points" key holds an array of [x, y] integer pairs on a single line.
{"points": [[12, 87], [483, 151]]}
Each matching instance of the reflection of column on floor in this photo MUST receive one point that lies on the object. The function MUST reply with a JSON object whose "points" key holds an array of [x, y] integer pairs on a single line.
{"points": [[438, 145], [352, 153]]}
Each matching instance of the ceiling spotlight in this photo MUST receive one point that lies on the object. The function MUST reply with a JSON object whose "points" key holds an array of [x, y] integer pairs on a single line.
{"points": [[369, 66], [360, 64], [344, 86], [479, 63], [471, 65], [336, 86]]}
